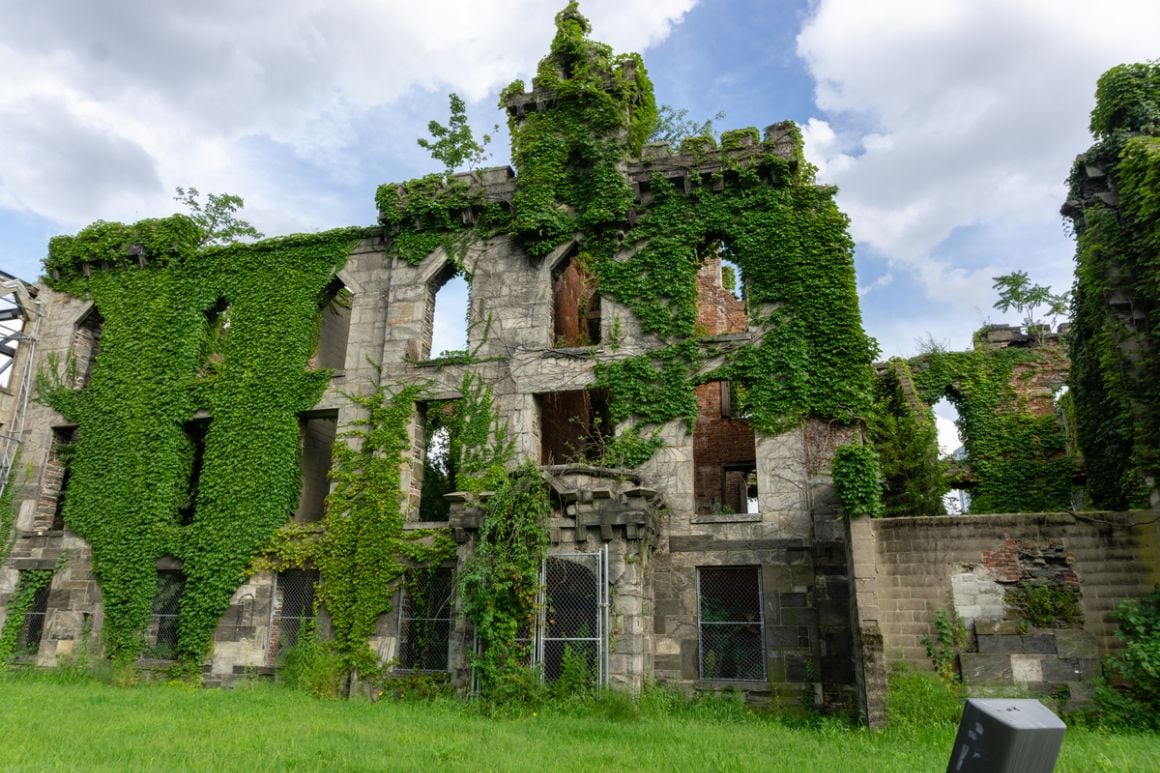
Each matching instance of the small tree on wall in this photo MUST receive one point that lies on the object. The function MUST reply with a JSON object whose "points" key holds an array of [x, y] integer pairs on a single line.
{"points": [[1017, 292]]}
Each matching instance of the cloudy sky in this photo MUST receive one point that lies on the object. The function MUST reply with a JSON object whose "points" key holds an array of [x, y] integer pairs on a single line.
{"points": [[949, 125]]}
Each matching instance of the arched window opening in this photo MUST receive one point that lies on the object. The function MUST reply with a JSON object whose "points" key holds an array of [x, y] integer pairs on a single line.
{"points": [[575, 304], [957, 501], [720, 292], [333, 327], [448, 313]]}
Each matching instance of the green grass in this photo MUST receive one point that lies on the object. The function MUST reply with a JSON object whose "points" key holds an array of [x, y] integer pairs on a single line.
{"points": [[52, 724]]}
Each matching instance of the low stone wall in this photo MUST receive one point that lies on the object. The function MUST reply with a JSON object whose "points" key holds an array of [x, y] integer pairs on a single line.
{"points": [[907, 569]]}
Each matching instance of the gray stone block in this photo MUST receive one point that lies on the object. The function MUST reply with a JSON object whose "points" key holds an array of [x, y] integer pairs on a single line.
{"points": [[992, 644], [986, 668]]}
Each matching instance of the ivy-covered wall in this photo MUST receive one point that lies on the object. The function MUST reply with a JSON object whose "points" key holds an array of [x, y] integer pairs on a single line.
{"points": [[1017, 457], [225, 330], [1114, 208]]}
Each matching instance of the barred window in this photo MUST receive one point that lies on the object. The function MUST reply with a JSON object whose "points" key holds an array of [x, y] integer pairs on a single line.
{"points": [[161, 639], [425, 622], [295, 606], [28, 642], [731, 623]]}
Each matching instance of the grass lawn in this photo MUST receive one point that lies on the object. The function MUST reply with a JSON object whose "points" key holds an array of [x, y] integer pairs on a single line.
{"points": [[49, 724]]}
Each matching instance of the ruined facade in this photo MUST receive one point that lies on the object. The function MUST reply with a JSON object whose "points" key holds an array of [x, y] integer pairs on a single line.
{"points": [[670, 336]]}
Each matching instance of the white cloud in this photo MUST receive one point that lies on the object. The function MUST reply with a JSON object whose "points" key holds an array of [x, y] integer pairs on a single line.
{"points": [[105, 107], [958, 114]]}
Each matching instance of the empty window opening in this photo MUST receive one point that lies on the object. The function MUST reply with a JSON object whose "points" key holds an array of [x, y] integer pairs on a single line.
{"points": [[86, 345], [293, 608], [31, 631], [731, 279], [161, 638], [720, 292], [724, 452], [575, 426], [731, 623], [213, 342], [195, 433], [575, 304], [957, 501], [58, 472], [333, 327], [448, 313], [425, 621], [318, 432], [440, 453]]}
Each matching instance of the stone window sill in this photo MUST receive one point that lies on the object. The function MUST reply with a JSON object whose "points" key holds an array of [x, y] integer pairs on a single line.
{"points": [[727, 518]]}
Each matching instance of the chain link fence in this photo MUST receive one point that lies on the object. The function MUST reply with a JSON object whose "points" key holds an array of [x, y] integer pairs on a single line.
{"points": [[293, 607], [161, 638], [425, 622], [573, 619], [28, 641], [731, 623]]}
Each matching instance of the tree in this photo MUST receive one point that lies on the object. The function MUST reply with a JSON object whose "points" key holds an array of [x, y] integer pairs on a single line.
{"points": [[675, 125], [454, 143], [217, 219], [1017, 292]]}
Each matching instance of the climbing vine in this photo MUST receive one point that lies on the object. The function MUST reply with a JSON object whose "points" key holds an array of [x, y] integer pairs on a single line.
{"points": [[1017, 455], [365, 551], [1114, 206], [857, 480], [903, 432], [500, 580], [160, 296], [31, 581]]}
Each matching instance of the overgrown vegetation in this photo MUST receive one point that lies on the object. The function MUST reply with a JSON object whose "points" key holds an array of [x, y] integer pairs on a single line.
{"points": [[1114, 208], [1046, 604], [365, 551], [950, 636], [857, 480], [31, 581], [152, 283], [1017, 456], [500, 582], [1130, 696], [904, 435]]}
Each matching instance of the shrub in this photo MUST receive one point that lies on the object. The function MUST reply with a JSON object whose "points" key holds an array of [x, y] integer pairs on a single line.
{"points": [[915, 699], [1131, 695], [1046, 605]]}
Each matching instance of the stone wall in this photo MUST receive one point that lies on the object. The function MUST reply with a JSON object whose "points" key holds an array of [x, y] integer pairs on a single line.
{"points": [[907, 569]]}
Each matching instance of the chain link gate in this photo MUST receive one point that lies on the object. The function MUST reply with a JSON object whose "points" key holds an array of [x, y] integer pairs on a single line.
{"points": [[292, 610], [573, 628], [730, 623], [425, 623]]}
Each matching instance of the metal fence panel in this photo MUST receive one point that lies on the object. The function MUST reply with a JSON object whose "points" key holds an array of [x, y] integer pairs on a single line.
{"points": [[731, 624], [293, 607], [574, 617], [28, 641], [425, 623], [161, 638]]}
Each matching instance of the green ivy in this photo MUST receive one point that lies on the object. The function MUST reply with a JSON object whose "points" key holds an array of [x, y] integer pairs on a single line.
{"points": [[131, 466], [1017, 459], [500, 580], [906, 439], [365, 550], [1115, 376], [857, 481]]}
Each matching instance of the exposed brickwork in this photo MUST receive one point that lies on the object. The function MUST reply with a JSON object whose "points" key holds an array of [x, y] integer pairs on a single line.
{"points": [[903, 570]]}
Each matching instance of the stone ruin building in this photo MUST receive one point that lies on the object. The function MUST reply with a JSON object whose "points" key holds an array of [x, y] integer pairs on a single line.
{"points": [[715, 557]]}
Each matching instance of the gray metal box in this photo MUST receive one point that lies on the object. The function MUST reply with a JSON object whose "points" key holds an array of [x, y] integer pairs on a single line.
{"points": [[1006, 736]]}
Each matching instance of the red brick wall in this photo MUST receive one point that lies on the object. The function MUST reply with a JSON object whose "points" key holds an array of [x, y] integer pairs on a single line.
{"points": [[719, 310], [717, 441]]}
